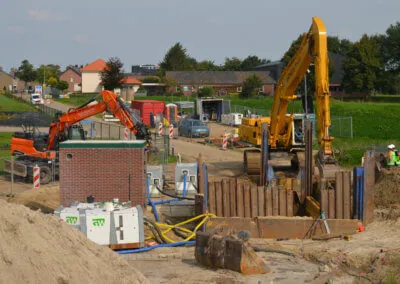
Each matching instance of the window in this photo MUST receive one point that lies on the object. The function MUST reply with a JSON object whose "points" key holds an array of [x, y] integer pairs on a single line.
{"points": [[261, 89], [71, 80], [69, 157], [239, 89]]}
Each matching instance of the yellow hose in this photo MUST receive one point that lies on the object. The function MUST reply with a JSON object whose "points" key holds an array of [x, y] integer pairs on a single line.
{"points": [[192, 234]]}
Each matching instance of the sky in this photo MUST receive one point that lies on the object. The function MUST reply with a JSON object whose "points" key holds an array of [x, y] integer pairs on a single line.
{"points": [[141, 32]]}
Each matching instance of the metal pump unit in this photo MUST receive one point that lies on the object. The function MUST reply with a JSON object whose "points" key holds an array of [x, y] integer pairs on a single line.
{"points": [[188, 172], [156, 179]]}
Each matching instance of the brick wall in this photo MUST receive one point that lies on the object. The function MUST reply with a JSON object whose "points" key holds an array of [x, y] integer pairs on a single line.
{"points": [[72, 78], [103, 173]]}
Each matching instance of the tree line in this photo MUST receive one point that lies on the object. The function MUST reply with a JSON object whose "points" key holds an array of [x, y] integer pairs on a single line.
{"points": [[371, 64], [45, 74]]}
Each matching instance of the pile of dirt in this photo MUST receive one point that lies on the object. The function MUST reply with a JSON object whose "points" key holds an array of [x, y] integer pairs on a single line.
{"points": [[387, 188], [47, 199], [35, 247]]}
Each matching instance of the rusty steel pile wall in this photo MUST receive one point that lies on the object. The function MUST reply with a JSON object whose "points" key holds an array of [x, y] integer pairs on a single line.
{"points": [[233, 198], [336, 203]]}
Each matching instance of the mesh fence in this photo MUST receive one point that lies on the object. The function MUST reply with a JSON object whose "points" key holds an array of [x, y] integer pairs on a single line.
{"points": [[245, 110]]}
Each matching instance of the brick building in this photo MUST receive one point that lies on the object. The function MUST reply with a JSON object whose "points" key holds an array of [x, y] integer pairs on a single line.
{"points": [[104, 169], [73, 76], [223, 82]]}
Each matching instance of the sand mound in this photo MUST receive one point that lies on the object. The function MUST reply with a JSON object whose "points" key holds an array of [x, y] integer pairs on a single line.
{"points": [[38, 248], [387, 188], [47, 199]]}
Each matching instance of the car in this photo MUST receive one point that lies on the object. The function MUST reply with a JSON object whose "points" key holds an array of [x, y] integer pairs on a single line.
{"points": [[193, 128], [37, 99]]}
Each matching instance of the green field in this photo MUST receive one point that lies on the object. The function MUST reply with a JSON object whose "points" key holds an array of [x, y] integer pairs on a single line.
{"points": [[8, 104], [76, 99], [5, 141]]}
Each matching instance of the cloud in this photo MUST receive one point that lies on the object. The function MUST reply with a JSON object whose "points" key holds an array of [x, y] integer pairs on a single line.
{"points": [[37, 15], [80, 38], [15, 30]]}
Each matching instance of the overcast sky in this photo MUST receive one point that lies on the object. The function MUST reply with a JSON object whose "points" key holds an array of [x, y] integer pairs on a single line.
{"points": [[140, 32]]}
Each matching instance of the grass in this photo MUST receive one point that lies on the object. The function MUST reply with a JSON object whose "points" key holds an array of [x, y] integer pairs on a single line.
{"points": [[76, 99], [5, 141], [8, 104]]}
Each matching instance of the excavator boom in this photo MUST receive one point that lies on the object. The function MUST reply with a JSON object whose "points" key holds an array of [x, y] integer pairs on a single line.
{"points": [[110, 103], [313, 48]]}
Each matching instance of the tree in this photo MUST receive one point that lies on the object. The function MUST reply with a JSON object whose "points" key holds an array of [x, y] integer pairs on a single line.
{"points": [[250, 85], [52, 81], [252, 61], [62, 85], [364, 64], [26, 72], [151, 79], [207, 65], [44, 72], [294, 47], [112, 76], [232, 64], [206, 91], [391, 48], [177, 59]]}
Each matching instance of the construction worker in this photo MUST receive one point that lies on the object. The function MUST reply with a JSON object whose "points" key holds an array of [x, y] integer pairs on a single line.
{"points": [[391, 158]]}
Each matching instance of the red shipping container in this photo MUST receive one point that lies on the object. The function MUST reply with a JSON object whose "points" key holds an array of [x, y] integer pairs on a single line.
{"points": [[146, 107]]}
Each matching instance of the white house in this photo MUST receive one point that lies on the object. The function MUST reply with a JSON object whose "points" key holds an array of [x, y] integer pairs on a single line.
{"points": [[91, 81]]}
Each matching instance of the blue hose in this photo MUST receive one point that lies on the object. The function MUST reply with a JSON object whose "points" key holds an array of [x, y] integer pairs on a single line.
{"points": [[184, 186], [151, 202], [154, 247]]}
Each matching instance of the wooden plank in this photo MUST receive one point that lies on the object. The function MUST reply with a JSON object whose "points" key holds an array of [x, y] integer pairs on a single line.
{"points": [[240, 200], [232, 197], [199, 204], [225, 198], [275, 202], [289, 184], [331, 201], [254, 200], [268, 202], [218, 198], [346, 195], [261, 201], [273, 228], [247, 201], [289, 203], [324, 201], [339, 195], [201, 174], [282, 202], [211, 198]]}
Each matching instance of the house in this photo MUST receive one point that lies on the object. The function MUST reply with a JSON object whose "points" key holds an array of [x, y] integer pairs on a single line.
{"points": [[129, 88], [223, 82], [275, 68], [73, 76], [6, 80], [91, 80]]}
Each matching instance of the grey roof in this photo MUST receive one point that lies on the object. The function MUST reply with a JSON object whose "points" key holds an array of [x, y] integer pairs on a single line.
{"points": [[216, 77], [338, 73], [273, 63], [73, 68]]}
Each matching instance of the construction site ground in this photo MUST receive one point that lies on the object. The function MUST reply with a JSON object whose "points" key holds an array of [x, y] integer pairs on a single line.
{"points": [[371, 254]]}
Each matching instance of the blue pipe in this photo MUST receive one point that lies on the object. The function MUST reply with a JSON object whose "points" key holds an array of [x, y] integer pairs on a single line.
{"points": [[184, 186], [154, 247], [151, 202]]}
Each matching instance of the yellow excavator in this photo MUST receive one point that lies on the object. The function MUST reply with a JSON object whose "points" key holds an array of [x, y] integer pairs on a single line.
{"points": [[285, 130]]}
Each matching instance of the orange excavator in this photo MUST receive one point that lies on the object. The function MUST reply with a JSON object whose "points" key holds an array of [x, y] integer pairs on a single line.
{"points": [[32, 148]]}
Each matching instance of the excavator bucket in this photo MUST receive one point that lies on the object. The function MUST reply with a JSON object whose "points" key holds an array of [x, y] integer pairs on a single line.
{"points": [[228, 252]]}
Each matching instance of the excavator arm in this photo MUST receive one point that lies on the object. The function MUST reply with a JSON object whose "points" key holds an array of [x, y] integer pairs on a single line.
{"points": [[110, 102], [313, 48]]}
